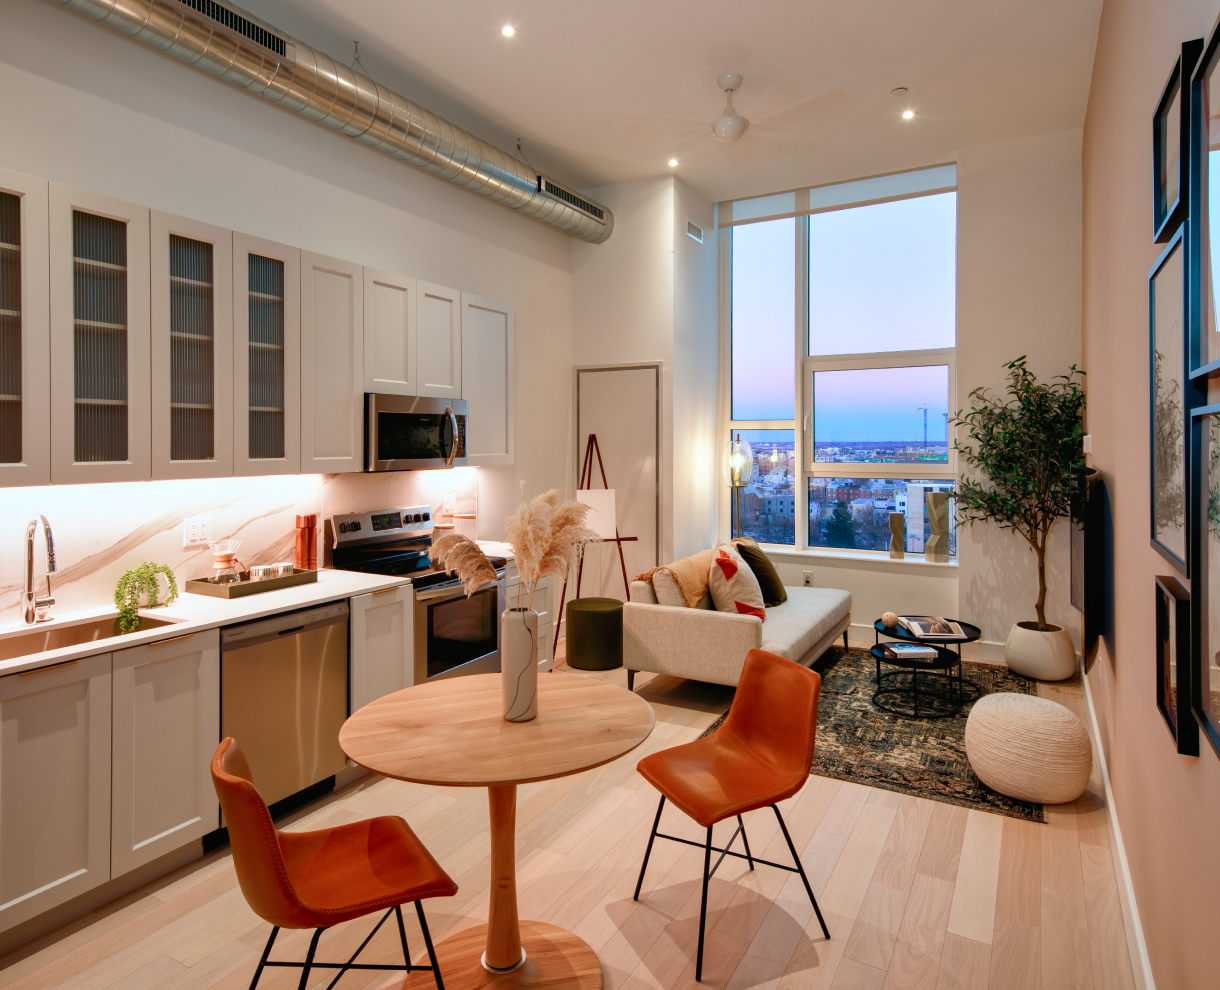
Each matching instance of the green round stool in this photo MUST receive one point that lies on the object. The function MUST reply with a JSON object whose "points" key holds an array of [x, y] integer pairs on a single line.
{"points": [[595, 633]]}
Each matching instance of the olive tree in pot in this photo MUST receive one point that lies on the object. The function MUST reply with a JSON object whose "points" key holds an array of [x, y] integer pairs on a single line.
{"points": [[1020, 447]]}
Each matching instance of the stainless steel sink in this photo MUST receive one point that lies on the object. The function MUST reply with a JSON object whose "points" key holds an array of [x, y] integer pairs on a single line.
{"points": [[54, 636]]}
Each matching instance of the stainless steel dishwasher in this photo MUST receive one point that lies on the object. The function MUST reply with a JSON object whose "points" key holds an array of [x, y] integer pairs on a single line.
{"points": [[284, 696]]}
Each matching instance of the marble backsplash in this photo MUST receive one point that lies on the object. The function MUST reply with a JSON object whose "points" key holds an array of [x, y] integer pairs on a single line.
{"points": [[102, 530]]}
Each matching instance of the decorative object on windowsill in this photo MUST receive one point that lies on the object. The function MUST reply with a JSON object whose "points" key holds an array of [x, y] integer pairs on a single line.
{"points": [[890, 619], [936, 549], [142, 587], [1021, 451], [898, 530], [738, 473]]}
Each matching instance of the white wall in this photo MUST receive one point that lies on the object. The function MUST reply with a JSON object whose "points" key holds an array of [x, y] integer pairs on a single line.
{"points": [[1018, 292], [88, 107]]}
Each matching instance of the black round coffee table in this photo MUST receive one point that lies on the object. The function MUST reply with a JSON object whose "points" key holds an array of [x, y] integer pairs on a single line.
{"points": [[907, 696]]}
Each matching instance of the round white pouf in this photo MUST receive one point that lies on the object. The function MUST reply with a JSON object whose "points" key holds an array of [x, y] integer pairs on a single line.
{"points": [[1029, 748]]}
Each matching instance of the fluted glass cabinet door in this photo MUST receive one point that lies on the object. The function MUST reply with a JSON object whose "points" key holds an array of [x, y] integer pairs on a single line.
{"points": [[192, 349], [25, 431], [266, 357], [100, 411]]}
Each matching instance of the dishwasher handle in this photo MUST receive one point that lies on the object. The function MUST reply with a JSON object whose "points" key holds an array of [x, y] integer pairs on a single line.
{"points": [[235, 637]]}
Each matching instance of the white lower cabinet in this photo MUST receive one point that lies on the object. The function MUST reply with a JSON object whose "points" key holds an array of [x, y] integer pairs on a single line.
{"points": [[54, 786], [166, 727], [382, 644]]}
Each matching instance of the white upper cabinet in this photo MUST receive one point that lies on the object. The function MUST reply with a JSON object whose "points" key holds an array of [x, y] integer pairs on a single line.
{"points": [[99, 276], [390, 337], [332, 365], [54, 786], [192, 348], [25, 350], [266, 357], [383, 647], [487, 379], [440, 342], [166, 723]]}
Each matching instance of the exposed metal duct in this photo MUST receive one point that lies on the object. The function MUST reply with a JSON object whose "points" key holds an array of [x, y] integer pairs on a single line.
{"points": [[239, 48]]}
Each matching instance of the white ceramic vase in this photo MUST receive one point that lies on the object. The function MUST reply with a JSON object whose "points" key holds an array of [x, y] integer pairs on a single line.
{"points": [[1045, 655], [519, 663]]}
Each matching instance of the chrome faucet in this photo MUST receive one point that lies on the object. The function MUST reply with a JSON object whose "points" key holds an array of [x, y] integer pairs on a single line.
{"points": [[33, 608]]}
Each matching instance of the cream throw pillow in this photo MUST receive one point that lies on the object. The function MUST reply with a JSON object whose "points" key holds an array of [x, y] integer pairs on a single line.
{"points": [[733, 586], [666, 589]]}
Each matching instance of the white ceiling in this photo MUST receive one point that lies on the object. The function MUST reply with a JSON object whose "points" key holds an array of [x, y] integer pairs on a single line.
{"points": [[604, 93]]}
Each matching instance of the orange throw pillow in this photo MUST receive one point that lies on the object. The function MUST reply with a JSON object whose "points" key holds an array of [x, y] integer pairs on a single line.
{"points": [[733, 586]]}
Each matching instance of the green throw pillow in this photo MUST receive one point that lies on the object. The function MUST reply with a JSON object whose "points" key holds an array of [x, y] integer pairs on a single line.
{"points": [[768, 578]]}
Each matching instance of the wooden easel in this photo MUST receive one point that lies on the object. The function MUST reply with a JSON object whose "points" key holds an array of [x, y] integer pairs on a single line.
{"points": [[586, 482]]}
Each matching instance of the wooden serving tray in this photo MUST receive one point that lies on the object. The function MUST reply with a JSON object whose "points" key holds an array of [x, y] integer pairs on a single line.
{"points": [[239, 589]]}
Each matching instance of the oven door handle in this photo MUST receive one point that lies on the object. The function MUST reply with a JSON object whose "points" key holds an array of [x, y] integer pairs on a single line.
{"points": [[453, 450], [451, 591]]}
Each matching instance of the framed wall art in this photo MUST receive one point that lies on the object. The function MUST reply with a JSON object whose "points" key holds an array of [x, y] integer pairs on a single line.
{"points": [[1167, 403], [1171, 145], [1205, 578], [1173, 663]]}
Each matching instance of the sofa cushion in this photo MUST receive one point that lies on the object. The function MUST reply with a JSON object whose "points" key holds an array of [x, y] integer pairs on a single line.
{"points": [[689, 574], [642, 592], [733, 585], [795, 627], [768, 578], [666, 588]]}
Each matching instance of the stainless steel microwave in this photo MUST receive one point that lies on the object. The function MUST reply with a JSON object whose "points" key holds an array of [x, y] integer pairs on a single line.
{"points": [[404, 432]]}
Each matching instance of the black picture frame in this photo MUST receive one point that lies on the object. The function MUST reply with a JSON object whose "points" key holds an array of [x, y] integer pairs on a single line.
{"points": [[1089, 593], [1173, 668], [1205, 549], [1171, 146], [1167, 405], [1204, 340]]}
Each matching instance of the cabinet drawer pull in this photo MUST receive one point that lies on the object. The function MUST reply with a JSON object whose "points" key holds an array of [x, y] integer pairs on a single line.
{"points": [[384, 591], [39, 670], [172, 639]]}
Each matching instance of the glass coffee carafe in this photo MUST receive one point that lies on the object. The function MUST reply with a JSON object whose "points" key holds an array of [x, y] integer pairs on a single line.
{"points": [[225, 563]]}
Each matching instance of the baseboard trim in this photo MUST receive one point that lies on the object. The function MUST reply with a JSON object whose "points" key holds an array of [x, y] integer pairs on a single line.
{"points": [[1141, 967]]}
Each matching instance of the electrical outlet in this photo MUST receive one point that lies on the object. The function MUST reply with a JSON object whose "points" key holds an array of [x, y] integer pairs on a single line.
{"points": [[808, 578], [197, 531], [449, 504]]}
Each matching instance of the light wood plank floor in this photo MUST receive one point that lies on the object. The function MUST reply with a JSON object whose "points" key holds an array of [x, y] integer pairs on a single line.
{"points": [[917, 894]]}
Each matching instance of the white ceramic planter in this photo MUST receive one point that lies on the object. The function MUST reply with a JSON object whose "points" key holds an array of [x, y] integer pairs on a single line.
{"points": [[1043, 655], [519, 663]]}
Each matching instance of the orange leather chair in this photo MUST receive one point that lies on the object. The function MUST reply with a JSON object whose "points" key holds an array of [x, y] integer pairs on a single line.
{"points": [[760, 755], [320, 879]]}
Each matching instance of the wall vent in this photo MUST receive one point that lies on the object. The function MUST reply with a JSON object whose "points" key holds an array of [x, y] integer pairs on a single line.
{"points": [[239, 24], [695, 231], [546, 185]]}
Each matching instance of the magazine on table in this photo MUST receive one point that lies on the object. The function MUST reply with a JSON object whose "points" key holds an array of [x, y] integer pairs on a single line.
{"points": [[910, 651], [931, 627]]}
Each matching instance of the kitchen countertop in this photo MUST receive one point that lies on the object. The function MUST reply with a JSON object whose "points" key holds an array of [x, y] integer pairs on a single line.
{"points": [[195, 613]]}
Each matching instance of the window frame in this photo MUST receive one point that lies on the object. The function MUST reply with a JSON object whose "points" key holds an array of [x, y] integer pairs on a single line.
{"points": [[805, 365]]}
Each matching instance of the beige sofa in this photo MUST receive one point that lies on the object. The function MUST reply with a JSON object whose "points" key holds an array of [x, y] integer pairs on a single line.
{"points": [[706, 645]]}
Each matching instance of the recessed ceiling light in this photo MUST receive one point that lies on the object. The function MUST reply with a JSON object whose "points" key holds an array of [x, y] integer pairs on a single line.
{"points": [[508, 30], [908, 114], [673, 162]]}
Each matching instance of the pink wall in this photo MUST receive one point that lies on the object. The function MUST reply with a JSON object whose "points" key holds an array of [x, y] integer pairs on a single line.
{"points": [[1168, 805]]}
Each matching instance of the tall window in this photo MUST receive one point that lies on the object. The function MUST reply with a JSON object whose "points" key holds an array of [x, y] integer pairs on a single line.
{"points": [[843, 378]]}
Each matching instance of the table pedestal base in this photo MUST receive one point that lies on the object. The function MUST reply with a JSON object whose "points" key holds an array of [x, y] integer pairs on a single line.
{"points": [[554, 960]]}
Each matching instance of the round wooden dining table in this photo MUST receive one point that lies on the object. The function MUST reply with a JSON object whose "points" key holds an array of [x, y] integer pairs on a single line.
{"points": [[452, 733]]}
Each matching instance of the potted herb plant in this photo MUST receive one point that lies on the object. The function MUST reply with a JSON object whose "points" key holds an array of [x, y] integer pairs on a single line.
{"points": [[1021, 448]]}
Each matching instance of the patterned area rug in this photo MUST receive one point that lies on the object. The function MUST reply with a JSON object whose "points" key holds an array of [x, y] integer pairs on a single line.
{"points": [[926, 757]]}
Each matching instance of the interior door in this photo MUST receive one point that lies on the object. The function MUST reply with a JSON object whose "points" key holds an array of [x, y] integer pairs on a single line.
{"points": [[619, 406]]}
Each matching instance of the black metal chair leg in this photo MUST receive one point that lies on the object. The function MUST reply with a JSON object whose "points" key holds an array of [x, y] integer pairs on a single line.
{"points": [[436, 967], [313, 947], [742, 826], [648, 852], [402, 934], [262, 963], [707, 863], [801, 869]]}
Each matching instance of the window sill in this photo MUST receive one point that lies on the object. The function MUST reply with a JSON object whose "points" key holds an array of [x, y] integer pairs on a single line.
{"points": [[870, 558]]}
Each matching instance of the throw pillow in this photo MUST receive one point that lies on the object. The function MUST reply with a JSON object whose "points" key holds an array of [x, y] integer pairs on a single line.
{"points": [[768, 578], [666, 588], [733, 586]]}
